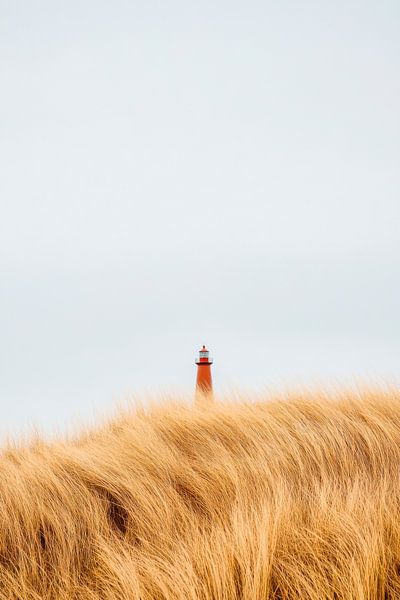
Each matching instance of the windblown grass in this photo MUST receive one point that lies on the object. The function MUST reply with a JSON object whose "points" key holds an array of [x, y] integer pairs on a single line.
{"points": [[295, 498]]}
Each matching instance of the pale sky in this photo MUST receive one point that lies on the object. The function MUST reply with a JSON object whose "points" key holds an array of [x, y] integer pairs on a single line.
{"points": [[179, 173]]}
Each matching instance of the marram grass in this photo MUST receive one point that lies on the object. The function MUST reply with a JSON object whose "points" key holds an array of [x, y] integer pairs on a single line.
{"points": [[283, 499]]}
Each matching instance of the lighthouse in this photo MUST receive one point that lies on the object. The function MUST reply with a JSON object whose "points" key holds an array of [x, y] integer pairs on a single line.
{"points": [[204, 379]]}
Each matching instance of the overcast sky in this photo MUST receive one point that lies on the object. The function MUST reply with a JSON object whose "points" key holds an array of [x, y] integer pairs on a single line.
{"points": [[179, 173]]}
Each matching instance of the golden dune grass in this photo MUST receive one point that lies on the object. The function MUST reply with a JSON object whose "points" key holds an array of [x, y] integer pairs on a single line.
{"points": [[295, 498]]}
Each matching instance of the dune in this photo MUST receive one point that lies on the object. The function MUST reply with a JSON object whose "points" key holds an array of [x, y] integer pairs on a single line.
{"points": [[287, 498]]}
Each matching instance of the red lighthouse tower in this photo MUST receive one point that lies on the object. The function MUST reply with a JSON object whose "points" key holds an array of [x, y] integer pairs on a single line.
{"points": [[204, 379]]}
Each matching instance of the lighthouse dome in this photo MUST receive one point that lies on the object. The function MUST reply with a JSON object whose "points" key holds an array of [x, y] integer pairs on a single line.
{"points": [[203, 356]]}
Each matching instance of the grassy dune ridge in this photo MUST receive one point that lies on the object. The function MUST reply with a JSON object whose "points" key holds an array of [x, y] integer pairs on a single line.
{"points": [[287, 498]]}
